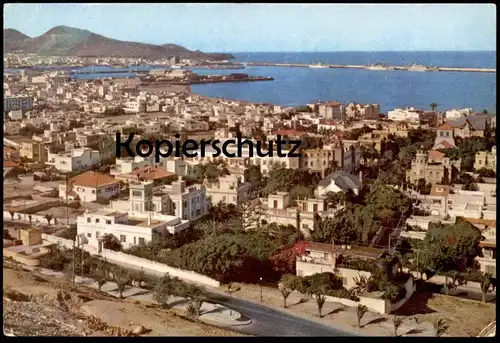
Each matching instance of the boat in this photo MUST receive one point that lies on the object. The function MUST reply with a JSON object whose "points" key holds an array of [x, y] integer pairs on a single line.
{"points": [[378, 66], [419, 67], [176, 67], [318, 66]]}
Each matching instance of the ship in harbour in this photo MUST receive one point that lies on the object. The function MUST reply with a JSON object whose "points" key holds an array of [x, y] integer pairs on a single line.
{"points": [[419, 67], [319, 65], [378, 66]]}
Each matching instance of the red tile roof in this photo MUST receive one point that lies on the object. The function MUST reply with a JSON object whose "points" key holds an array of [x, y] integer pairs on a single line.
{"points": [[445, 126], [93, 179], [435, 155], [10, 164]]}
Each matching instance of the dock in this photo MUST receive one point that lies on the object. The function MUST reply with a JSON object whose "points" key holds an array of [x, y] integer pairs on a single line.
{"points": [[388, 68]]}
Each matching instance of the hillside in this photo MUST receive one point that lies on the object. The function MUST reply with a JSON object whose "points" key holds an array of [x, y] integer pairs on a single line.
{"points": [[69, 41]]}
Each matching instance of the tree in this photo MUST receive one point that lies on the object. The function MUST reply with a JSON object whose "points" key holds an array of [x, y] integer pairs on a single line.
{"points": [[360, 312], [449, 247], [253, 175], [6, 235], [218, 212], [121, 277], [30, 217], [396, 324], [486, 285], [285, 287], [48, 217], [360, 284], [12, 214], [320, 300], [440, 326], [433, 106], [101, 274]]}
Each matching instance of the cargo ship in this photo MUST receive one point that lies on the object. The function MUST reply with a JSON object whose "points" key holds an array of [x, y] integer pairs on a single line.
{"points": [[319, 65], [379, 66]]}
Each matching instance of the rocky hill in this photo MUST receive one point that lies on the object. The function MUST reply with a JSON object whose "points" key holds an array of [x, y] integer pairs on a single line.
{"points": [[69, 41]]}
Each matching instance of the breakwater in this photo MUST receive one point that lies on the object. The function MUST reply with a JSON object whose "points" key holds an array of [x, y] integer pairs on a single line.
{"points": [[200, 82], [365, 67]]}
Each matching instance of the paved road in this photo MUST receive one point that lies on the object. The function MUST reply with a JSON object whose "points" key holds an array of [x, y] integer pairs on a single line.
{"points": [[267, 321]]}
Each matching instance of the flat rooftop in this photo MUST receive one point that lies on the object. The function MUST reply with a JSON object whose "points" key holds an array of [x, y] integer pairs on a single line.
{"points": [[142, 222], [107, 213]]}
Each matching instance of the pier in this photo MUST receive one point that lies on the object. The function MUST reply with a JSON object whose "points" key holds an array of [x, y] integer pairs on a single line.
{"points": [[388, 68]]}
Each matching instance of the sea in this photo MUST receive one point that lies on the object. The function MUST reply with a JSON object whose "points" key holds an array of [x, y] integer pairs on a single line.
{"points": [[390, 89]]}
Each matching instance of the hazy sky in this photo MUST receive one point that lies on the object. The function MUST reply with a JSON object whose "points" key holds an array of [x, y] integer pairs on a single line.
{"points": [[272, 27]]}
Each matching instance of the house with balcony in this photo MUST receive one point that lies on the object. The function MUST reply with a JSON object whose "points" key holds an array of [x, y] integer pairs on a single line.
{"points": [[433, 167], [188, 203], [99, 225], [90, 186], [279, 208], [486, 160], [229, 189]]}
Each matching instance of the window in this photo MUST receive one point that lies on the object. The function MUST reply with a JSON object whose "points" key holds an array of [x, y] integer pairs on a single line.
{"points": [[137, 193], [305, 226], [325, 256], [224, 198], [315, 207], [97, 220], [97, 234], [135, 240], [89, 235], [89, 220], [141, 241], [344, 280], [275, 204], [93, 191], [108, 222], [123, 238]]}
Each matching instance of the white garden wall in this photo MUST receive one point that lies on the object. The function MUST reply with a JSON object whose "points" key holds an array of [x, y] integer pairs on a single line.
{"points": [[138, 262]]}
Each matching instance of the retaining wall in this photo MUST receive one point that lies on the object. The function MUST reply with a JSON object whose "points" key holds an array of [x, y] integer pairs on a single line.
{"points": [[138, 262]]}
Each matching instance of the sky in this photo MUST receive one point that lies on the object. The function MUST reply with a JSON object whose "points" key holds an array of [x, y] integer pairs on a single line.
{"points": [[273, 27]]}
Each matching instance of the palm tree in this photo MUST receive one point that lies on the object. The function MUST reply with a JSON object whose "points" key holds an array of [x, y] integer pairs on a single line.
{"points": [[361, 283], [29, 218], [433, 106], [486, 285], [320, 300], [218, 212], [360, 312], [11, 214], [396, 323], [48, 217], [121, 278], [440, 326]]}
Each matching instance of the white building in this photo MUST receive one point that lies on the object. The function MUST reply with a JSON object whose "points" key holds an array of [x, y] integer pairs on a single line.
{"points": [[16, 115], [175, 200], [339, 181], [12, 127], [409, 114], [455, 114], [76, 159], [90, 186], [128, 230], [135, 106], [229, 189]]}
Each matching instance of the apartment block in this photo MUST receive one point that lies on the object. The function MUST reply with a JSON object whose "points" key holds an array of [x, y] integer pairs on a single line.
{"points": [[76, 159]]}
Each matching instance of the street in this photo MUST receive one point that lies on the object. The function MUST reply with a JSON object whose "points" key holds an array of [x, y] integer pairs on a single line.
{"points": [[267, 321]]}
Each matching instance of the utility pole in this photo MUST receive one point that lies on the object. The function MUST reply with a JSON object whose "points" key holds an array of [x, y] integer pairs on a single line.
{"points": [[82, 260], [74, 260], [67, 207]]}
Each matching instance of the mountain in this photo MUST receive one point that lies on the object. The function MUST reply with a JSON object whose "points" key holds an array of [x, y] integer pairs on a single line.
{"points": [[12, 37], [70, 41]]}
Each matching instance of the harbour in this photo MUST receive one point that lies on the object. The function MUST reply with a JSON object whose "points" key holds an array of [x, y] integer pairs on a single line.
{"points": [[368, 67]]}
